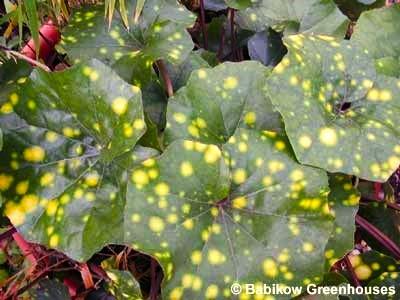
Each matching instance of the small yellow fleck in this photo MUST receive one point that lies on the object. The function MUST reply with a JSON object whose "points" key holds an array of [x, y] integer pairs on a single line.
{"points": [[270, 268], [119, 105], [47, 179], [212, 154], [5, 182], [250, 118], [239, 202], [308, 247], [239, 176], [230, 83], [186, 169], [140, 177], [92, 179], [22, 187], [162, 189], [34, 154], [156, 224], [305, 141], [328, 136], [196, 257]]}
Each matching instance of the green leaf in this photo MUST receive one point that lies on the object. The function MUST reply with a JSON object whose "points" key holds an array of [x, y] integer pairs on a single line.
{"points": [[49, 289], [246, 209], [385, 219], [137, 69], [266, 47], [370, 265], [33, 22], [353, 8], [376, 34], [216, 101], [387, 279], [338, 116], [343, 204], [179, 74], [312, 16], [64, 157], [158, 34], [122, 284], [253, 216]]}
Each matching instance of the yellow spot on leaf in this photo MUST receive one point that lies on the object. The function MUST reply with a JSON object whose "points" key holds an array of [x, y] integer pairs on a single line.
{"points": [[34, 154], [328, 136], [305, 141], [156, 224], [239, 176], [5, 182], [230, 83], [119, 105], [270, 268], [162, 189], [239, 202], [186, 169]]}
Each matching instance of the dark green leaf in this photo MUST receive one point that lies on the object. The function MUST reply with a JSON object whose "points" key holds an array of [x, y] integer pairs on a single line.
{"points": [[49, 289], [343, 204], [216, 101], [253, 216], [266, 47], [384, 218], [158, 33], [312, 16], [64, 156], [338, 116], [377, 34]]}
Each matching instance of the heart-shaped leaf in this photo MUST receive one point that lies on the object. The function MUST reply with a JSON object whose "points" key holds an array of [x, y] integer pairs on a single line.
{"points": [[338, 116], [64, 156], [294, 16], [244, 216], [376, 32], [158, 33], [216, 101], [247, 211]]}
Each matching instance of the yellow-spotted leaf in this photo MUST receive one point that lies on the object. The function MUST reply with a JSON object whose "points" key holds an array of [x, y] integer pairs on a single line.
{"points": [[314, 16], [159, 33], [338, 116], [376, 32], [215, 101], [246, 212], [67, 141], [343, 204]]}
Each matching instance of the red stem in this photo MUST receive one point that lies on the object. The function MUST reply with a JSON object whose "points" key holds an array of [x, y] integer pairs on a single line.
{"points": [[25, 247], [349, 267], [203, 24], [233, 36], [165, 76], [378, 235]]}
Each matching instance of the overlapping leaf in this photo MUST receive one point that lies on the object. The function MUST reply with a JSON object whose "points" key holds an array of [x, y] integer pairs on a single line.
{"points": [[65, 150], [246, 210], [234, 94], [294, 16], [343, 203], [376, 32], [160, 32], [338, 116]]}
